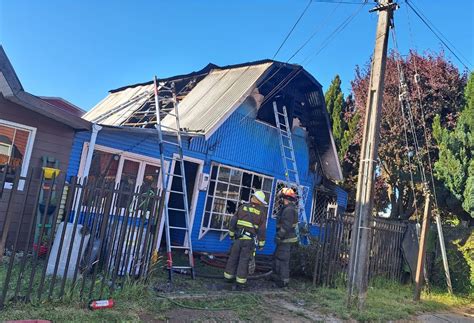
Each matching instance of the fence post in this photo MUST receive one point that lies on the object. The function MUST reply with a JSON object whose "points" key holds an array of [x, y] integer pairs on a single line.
{"points": [[8, 216]]}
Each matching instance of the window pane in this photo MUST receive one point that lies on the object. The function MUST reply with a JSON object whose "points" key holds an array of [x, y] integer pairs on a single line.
{"points": [[13, 144], [150, 178], [245, 194], [231, 207], [207, 217], [128, 181], [235, 176], [233, 192], [224, 174], [104, 165], [216, 221], [212, 186], [219, 205], [209, 203], [214, 172], [6, 144], [225, 223], [267, 185], [247, 180], [221, 189], [257, 182]]}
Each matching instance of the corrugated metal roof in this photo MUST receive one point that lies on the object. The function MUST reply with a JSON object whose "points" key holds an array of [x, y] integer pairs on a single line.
{"points": [[101, 112], [216, 97]]}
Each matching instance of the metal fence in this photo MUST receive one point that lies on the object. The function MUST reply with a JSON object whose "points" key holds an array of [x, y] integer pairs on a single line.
{"points": [[332, 248], [79, 238]]}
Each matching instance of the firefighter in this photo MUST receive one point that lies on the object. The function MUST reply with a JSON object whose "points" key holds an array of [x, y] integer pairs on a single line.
{"points": [[248, 229], [287, 221]]}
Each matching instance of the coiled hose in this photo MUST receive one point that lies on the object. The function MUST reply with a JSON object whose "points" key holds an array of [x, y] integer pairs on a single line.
{"points": [[219, 260]]}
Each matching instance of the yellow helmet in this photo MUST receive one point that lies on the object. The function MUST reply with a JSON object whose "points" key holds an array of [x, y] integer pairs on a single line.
{"points": [[259, 195]]}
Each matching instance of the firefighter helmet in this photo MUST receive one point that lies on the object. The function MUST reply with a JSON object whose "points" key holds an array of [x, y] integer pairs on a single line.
{"points": [[259, 195], [288, 193]]}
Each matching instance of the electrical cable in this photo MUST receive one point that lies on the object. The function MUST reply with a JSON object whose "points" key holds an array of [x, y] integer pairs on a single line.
{"points": [[422, 109], [440, 36], [292, 29], [326, 42]]}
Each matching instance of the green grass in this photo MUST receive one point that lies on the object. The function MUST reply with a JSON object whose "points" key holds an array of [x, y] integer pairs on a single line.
{"points": [[132, 303], [386, 300]]}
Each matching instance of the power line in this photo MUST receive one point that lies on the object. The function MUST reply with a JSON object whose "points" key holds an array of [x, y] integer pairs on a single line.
{"points": [[308, 59], [292, 28], [317, 30], [439, 35], [341, 2]]}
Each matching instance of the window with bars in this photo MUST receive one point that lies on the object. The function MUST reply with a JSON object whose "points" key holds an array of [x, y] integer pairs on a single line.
{"points": [[324, 206], [278, 203], [228, 188]]}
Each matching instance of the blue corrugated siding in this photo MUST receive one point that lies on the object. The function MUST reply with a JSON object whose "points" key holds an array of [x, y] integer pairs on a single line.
{"points": [[240, 142], [341, 197]]}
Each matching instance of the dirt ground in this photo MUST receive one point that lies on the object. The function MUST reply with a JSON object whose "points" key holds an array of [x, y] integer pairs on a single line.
{"points": [[280, 310], [276, 309], [463, 315]]}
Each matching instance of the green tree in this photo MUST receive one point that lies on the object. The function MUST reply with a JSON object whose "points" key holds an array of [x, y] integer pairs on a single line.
{"points": [[455, 166], [335, 105]]}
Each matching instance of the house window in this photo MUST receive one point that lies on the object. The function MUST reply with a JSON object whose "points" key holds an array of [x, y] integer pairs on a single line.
{"points": [[324, 206], [227, 189], [16, 144], [129, 172], [278, 203]]}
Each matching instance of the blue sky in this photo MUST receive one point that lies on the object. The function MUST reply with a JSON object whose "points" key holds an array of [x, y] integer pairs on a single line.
{"points": [[81, 49]]}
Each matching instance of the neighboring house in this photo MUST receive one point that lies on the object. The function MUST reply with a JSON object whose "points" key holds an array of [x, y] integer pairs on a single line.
{"points": [[31, 129], [232, 145]]}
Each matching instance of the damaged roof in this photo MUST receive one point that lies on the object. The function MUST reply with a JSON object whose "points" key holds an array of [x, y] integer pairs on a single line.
{"points": [[209, 96]]}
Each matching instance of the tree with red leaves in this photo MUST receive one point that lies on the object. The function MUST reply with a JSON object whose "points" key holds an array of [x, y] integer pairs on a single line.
{"points": [[441, 94]]}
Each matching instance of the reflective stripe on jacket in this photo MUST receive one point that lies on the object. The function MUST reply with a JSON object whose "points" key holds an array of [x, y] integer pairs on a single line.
{"points": [[287, 220], [253, 219]]}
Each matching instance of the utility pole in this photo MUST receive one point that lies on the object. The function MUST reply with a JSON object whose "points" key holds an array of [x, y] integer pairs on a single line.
{"points": [[360, 244], [422, 247]]}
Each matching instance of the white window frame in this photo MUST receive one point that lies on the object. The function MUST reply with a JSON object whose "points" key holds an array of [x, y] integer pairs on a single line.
{"points": [[141, 159], [28, 151], [203, 230]]}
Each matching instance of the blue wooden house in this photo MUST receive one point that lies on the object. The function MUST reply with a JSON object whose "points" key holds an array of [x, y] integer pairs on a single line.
{"points": [[231, 147]]}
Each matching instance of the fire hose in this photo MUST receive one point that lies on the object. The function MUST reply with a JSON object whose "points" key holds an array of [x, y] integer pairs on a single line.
{"points": [[219, 261]]}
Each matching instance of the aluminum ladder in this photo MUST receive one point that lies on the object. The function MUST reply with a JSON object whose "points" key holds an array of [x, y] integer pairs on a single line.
{"points": [[288, 157], [167, 176]]}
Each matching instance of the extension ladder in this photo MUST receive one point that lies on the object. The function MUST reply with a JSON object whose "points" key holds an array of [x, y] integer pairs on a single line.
{"points": [[181, 215], [288, 158]]}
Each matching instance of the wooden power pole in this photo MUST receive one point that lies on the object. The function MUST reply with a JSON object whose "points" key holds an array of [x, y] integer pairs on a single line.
{"points": [[360, 243], [422, 247]]}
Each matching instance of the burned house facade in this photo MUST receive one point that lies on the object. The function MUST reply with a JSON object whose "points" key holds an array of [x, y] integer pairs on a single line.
{"points": [[231, 146]]}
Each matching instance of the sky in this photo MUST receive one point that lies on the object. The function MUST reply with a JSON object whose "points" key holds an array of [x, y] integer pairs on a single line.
{"points": [[79, 50]]}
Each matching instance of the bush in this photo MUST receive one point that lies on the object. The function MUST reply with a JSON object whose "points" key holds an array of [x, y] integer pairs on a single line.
{"points": [[460, 251], [303, 259]]}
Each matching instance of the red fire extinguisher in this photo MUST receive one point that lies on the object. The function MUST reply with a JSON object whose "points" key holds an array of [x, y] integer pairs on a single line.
{"points": [[101, 304]]}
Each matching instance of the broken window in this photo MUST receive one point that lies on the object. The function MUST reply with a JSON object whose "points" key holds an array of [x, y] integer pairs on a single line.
{"points": [[278, 203], [227, 189]]}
